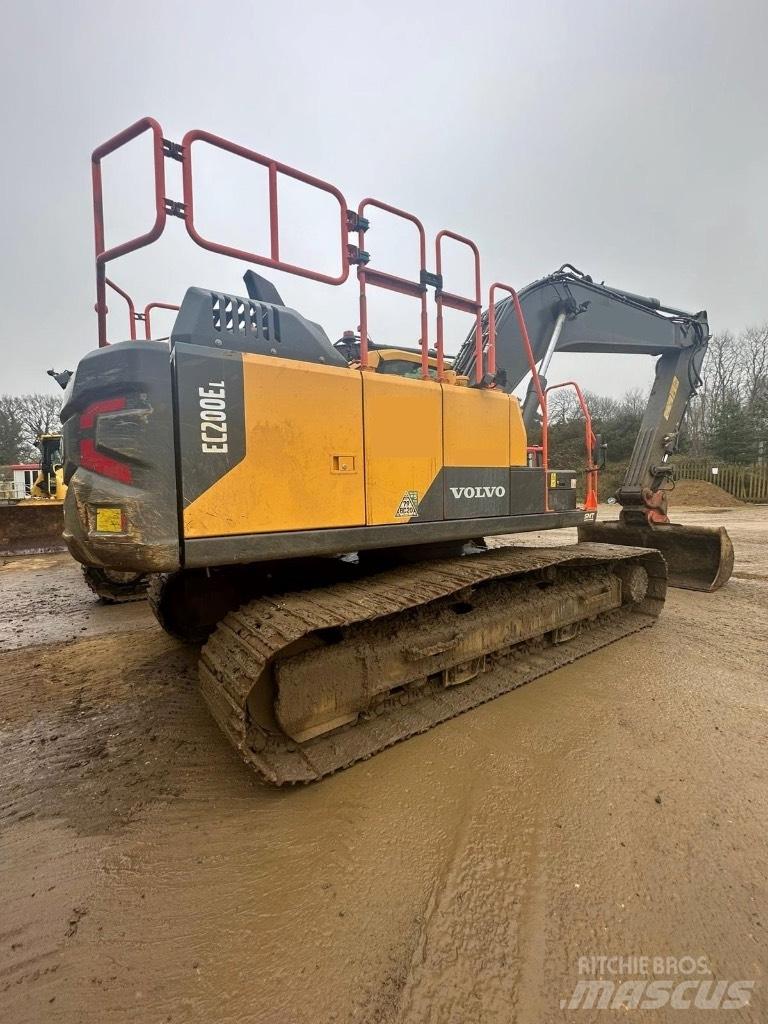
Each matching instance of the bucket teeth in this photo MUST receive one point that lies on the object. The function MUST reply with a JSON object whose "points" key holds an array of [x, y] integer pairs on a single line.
{"points": [[240, 667]]}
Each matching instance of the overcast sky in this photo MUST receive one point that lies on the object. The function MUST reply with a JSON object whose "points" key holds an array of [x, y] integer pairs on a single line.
{"points": [[628, 139]]}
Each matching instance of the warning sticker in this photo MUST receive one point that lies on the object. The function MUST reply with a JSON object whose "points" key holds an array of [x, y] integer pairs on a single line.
{"points": [[409, 504], [671, 397]]}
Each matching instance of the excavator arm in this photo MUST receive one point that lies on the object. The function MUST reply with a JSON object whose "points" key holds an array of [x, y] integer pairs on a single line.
{"points": [[568, 311]]}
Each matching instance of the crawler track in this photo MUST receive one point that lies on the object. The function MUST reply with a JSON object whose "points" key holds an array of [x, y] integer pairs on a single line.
{"points": [[241, 665]]}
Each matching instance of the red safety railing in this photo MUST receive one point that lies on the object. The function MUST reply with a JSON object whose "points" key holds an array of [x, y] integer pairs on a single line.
{"points": [[163, 149], [274, 168], [131, 308], [590, 501], [541, 449], [523, 328], [366, 274], [133, 316], [146, 315], [104, 255], [460, 302]]}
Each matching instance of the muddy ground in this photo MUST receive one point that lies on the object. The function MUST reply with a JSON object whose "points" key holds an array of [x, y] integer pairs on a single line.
{"points": [[617, 807]]}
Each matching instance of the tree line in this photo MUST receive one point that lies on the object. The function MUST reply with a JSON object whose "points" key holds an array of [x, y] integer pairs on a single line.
{"points": [[22, 419], [727, 420]]}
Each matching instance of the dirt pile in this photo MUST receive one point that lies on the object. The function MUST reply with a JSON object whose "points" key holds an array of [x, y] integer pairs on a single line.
{"points": [[702, 493]]}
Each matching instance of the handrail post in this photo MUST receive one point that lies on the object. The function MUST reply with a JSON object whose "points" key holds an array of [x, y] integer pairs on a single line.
{"points": [[131, 307], [379, 278], [590, 498], [460, 302], [148, 309], [103, 255]]}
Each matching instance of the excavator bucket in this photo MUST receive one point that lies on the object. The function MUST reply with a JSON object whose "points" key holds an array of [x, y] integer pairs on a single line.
{"points": [[697, 557]]}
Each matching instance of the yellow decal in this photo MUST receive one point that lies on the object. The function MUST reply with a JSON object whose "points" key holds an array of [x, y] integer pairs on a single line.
{"points": [[109, 520], [671, 397], [553, 479]]}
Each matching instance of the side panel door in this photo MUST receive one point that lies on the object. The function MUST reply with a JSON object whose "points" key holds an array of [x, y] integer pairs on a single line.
{"points": [[290, 456], [403, 449], [476, 434]]}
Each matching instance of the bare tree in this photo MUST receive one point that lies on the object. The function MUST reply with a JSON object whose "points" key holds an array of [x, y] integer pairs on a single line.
{"points": [[634, 401], [39, 415], [562, 406], [753, 354], [12, 443]]}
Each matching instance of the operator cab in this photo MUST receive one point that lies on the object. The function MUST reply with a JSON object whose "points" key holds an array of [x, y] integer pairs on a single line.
{"points": [[393, 359]]}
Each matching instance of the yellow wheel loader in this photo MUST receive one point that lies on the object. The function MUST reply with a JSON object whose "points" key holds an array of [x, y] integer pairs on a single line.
{"points": [[315, 520], [49, 484]]}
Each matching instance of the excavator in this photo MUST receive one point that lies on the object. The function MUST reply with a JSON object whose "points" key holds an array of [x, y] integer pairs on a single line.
{"points": [[315, 515]]}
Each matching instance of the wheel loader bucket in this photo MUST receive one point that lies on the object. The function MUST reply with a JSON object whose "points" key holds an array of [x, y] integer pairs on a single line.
{"points": [[31, 527], [697, 557]]}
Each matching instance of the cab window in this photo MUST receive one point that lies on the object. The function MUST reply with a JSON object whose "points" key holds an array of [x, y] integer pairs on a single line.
{"points": [[404, 368]]}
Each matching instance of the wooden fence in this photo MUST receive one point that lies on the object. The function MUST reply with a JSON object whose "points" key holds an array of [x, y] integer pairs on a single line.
{"points": [[748, 483]]}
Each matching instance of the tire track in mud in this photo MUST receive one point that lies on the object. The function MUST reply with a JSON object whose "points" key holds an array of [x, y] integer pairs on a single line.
{"points": [[87, 731], [44, 599], [529, 1004], [472, 946]]}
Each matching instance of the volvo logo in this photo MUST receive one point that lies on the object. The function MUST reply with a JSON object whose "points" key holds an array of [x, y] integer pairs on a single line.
{"points": [[478, 492]]}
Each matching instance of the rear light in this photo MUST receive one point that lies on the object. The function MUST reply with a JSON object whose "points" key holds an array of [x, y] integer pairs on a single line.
{"points": [[103, 464], [90, 457], [95, 409]]}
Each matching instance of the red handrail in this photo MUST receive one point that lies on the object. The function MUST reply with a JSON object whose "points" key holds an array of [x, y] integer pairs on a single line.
{"points": [[104, 255], [274, 168], [460, 302], [590, 500], [523, 328], [163, 149], [148, 308], [369, 275], [133, 316], [131, 307], [528, 349]]}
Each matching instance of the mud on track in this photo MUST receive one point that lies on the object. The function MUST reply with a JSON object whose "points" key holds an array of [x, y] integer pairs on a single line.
{"points": [[618, 806]]}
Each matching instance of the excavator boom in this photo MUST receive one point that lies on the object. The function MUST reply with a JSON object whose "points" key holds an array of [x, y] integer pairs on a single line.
{"points": [[568, 311]]}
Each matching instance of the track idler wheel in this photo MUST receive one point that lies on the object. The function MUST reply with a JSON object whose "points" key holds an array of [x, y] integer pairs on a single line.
{"points": [[190, 602]]}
